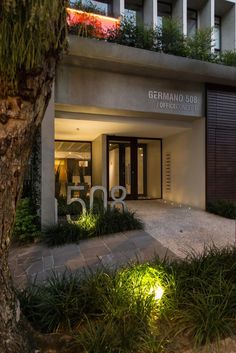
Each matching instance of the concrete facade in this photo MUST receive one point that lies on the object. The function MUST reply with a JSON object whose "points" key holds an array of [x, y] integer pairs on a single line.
{"points": [[187, 152], [48, 216]]}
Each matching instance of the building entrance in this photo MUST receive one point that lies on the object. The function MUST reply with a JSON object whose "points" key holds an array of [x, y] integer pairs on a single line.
{"points": [[135, 164]]}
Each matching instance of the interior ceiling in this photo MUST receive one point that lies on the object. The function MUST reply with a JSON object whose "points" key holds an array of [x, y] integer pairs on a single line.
{"points": [[89, 130], [64, 146]]}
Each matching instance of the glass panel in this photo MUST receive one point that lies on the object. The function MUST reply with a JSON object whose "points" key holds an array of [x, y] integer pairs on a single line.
{"points": [[105, 7], [217, 33], [164, 10], [128, 169], [134, 10], [72, 166], [151, 181], [140, 170], [120, 165], [114, 165], [192, 23]]}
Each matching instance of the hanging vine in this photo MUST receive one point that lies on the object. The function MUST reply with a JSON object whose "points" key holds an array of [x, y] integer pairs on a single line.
{"points": [[21, 21]]}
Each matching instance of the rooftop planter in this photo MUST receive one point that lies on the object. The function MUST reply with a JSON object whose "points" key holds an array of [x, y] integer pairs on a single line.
{"points": [[168, 39], [88, 24]]}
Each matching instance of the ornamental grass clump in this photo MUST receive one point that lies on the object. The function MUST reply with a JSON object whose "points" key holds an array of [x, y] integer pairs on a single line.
{"points": [[20, 20], [144, 308], [105, 311], [92, 224]]}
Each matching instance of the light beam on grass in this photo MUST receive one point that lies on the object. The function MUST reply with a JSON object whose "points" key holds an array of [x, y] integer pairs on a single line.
{"points": [[143, 279]]}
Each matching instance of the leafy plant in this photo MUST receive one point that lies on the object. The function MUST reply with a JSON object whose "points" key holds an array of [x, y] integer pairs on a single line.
{"points": [[75, 208], [26, 228], [170, 38], [117, 311], [228, 58], [199, 46], [222, 208], [132, 35]]}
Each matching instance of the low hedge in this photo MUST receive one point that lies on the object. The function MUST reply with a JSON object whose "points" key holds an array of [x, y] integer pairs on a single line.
{"points": [[222, 208]]}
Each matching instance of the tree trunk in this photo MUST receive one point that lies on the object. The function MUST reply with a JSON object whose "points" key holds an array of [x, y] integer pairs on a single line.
{"points": [[20, 115]]}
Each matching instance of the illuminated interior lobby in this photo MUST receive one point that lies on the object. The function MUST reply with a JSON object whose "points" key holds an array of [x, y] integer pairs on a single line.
{"points": [[131, 117]]}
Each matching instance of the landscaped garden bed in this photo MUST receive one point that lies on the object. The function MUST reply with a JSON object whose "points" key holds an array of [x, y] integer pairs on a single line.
{"points": [[155, 307], [94, 223]]}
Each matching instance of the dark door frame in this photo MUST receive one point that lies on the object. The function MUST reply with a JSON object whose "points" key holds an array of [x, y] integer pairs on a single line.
{"points": [[134, 178]]}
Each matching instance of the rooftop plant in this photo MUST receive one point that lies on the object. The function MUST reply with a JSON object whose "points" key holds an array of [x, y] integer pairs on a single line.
{"points": [[167, 38]]}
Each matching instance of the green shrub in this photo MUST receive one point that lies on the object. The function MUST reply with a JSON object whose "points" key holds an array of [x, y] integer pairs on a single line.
{"points": [[75, 208], [117, 311], [26, 227], [132, 35], [64, 209], [199, 46], [170, 37], [228, 58], [98, 301], [201, 301], [222, 208], [92, 224]]}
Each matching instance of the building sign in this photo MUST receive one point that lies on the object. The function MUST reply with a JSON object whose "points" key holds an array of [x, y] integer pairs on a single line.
{"points": [[175, 102]]}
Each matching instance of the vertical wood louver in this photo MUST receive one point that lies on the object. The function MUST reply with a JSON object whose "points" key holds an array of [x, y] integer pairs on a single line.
{"points": [[221, 143]]}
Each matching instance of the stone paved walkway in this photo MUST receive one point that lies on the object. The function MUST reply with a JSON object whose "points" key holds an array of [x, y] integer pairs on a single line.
{"points": [[181, 228], [38, 261], [167, 226]]}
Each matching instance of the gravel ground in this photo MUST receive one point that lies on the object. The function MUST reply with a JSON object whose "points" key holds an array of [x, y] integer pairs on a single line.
{"points": [[182, 228]]}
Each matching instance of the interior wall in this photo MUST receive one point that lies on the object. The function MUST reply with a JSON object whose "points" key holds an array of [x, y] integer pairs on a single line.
{"points": [[154, 169], [187, 167], [99, 161]]}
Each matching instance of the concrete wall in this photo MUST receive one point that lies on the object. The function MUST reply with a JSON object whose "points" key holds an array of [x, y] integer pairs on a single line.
{"points": [[180, 13], [99, 161], [154, 169], [102, 89], [229, 30], [187, 166], [150, 13], [207, 15], [47, 167]]}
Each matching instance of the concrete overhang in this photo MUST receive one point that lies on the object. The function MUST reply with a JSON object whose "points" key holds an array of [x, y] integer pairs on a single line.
{"points": [[95, 54]]}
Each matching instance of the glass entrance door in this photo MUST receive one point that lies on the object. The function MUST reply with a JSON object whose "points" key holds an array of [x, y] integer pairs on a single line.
{"points": [[120, 165], [124, 166], [135, 164]]}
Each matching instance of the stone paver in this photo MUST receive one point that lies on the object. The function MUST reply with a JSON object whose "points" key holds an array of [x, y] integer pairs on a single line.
{"points": [[170, 230], [36, 262]]}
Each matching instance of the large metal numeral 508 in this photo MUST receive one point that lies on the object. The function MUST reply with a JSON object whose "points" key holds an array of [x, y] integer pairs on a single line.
{"points": [[114, 189]]}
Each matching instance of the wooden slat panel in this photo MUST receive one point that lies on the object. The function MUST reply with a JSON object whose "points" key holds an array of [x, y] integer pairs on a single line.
{"points": [[221, 144]]}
